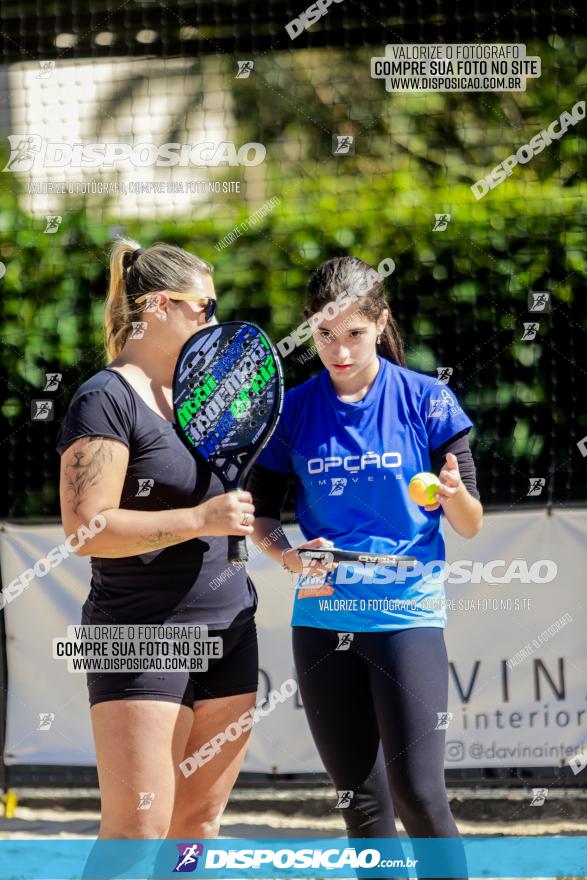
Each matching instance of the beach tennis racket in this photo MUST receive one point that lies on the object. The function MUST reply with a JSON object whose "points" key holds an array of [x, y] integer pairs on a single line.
{"points": [[332, 554], [227, 397]]}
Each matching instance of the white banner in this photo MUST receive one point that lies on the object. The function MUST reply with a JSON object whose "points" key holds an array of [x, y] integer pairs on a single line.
{"points": [[517, 680]]}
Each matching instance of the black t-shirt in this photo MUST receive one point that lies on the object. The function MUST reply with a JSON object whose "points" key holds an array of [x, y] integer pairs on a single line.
{"points": [[190, 582]]}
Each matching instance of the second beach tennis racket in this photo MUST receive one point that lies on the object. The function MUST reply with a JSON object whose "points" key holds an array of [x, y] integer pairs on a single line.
{"points": [[227, 397], [332, 554]]}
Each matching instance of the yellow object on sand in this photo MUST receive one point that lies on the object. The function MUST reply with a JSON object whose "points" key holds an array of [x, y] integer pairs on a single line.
{"points": [[10, 801]]}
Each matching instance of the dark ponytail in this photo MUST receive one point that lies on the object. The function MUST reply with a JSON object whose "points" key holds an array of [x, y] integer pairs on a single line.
{"points": [[351, 274], [391, 345]]}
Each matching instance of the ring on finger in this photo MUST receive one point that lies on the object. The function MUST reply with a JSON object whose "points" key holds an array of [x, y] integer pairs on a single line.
{"points": [[245, 519]]}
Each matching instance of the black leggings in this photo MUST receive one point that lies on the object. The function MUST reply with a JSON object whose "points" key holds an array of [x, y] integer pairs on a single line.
{"points": [[373, 709]]}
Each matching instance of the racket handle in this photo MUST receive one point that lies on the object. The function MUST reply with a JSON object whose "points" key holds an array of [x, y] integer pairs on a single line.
{"points": [[237, 548]]}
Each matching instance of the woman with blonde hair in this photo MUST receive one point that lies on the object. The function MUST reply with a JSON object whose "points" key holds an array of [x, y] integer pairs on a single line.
{"points": [[155, 561]]}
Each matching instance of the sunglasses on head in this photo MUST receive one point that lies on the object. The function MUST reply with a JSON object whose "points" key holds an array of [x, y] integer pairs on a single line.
{"points": [[208, 303]]}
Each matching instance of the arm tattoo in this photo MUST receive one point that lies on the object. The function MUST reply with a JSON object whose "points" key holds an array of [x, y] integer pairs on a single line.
{"points": [[86, 469], [158, 539]]}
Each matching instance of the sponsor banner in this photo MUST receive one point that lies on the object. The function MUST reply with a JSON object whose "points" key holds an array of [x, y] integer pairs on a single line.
{"points": [[516, 647], [516, 651]]}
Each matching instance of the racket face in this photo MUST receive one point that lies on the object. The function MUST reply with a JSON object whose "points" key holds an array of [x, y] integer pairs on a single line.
{"points": [[227, 396]]}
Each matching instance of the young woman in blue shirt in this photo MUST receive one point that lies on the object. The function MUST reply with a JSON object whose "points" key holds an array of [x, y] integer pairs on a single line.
{"points": [[351, 438]]}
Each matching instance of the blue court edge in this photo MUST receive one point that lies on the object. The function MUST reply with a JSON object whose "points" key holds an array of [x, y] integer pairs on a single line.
{"points": [[516, 857]]}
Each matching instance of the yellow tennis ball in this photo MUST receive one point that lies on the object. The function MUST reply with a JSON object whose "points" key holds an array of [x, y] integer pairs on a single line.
{"points": [[422, 488]]}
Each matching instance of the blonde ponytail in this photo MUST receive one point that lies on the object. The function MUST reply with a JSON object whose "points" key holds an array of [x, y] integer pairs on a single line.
{"points": [[160, 267], [117, 315]]}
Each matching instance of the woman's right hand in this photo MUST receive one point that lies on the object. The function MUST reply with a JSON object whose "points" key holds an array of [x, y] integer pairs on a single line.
{"points": [[315, 568], [224, 514]]}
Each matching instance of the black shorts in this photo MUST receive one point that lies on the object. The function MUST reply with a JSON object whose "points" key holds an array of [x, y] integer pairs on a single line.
{"points": [[236, 672]]}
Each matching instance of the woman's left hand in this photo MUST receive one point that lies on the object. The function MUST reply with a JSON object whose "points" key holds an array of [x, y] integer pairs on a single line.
{"points": [[450, 482]]}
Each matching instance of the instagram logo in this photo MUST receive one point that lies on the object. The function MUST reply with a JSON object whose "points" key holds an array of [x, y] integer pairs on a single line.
{"points": [[455, 750]]}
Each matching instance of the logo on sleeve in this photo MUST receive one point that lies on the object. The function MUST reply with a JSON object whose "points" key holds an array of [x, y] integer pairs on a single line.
{"points": [[444, 406]]}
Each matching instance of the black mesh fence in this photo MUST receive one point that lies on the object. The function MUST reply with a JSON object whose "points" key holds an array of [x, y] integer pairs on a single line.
{"points": [[345, 167]]}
